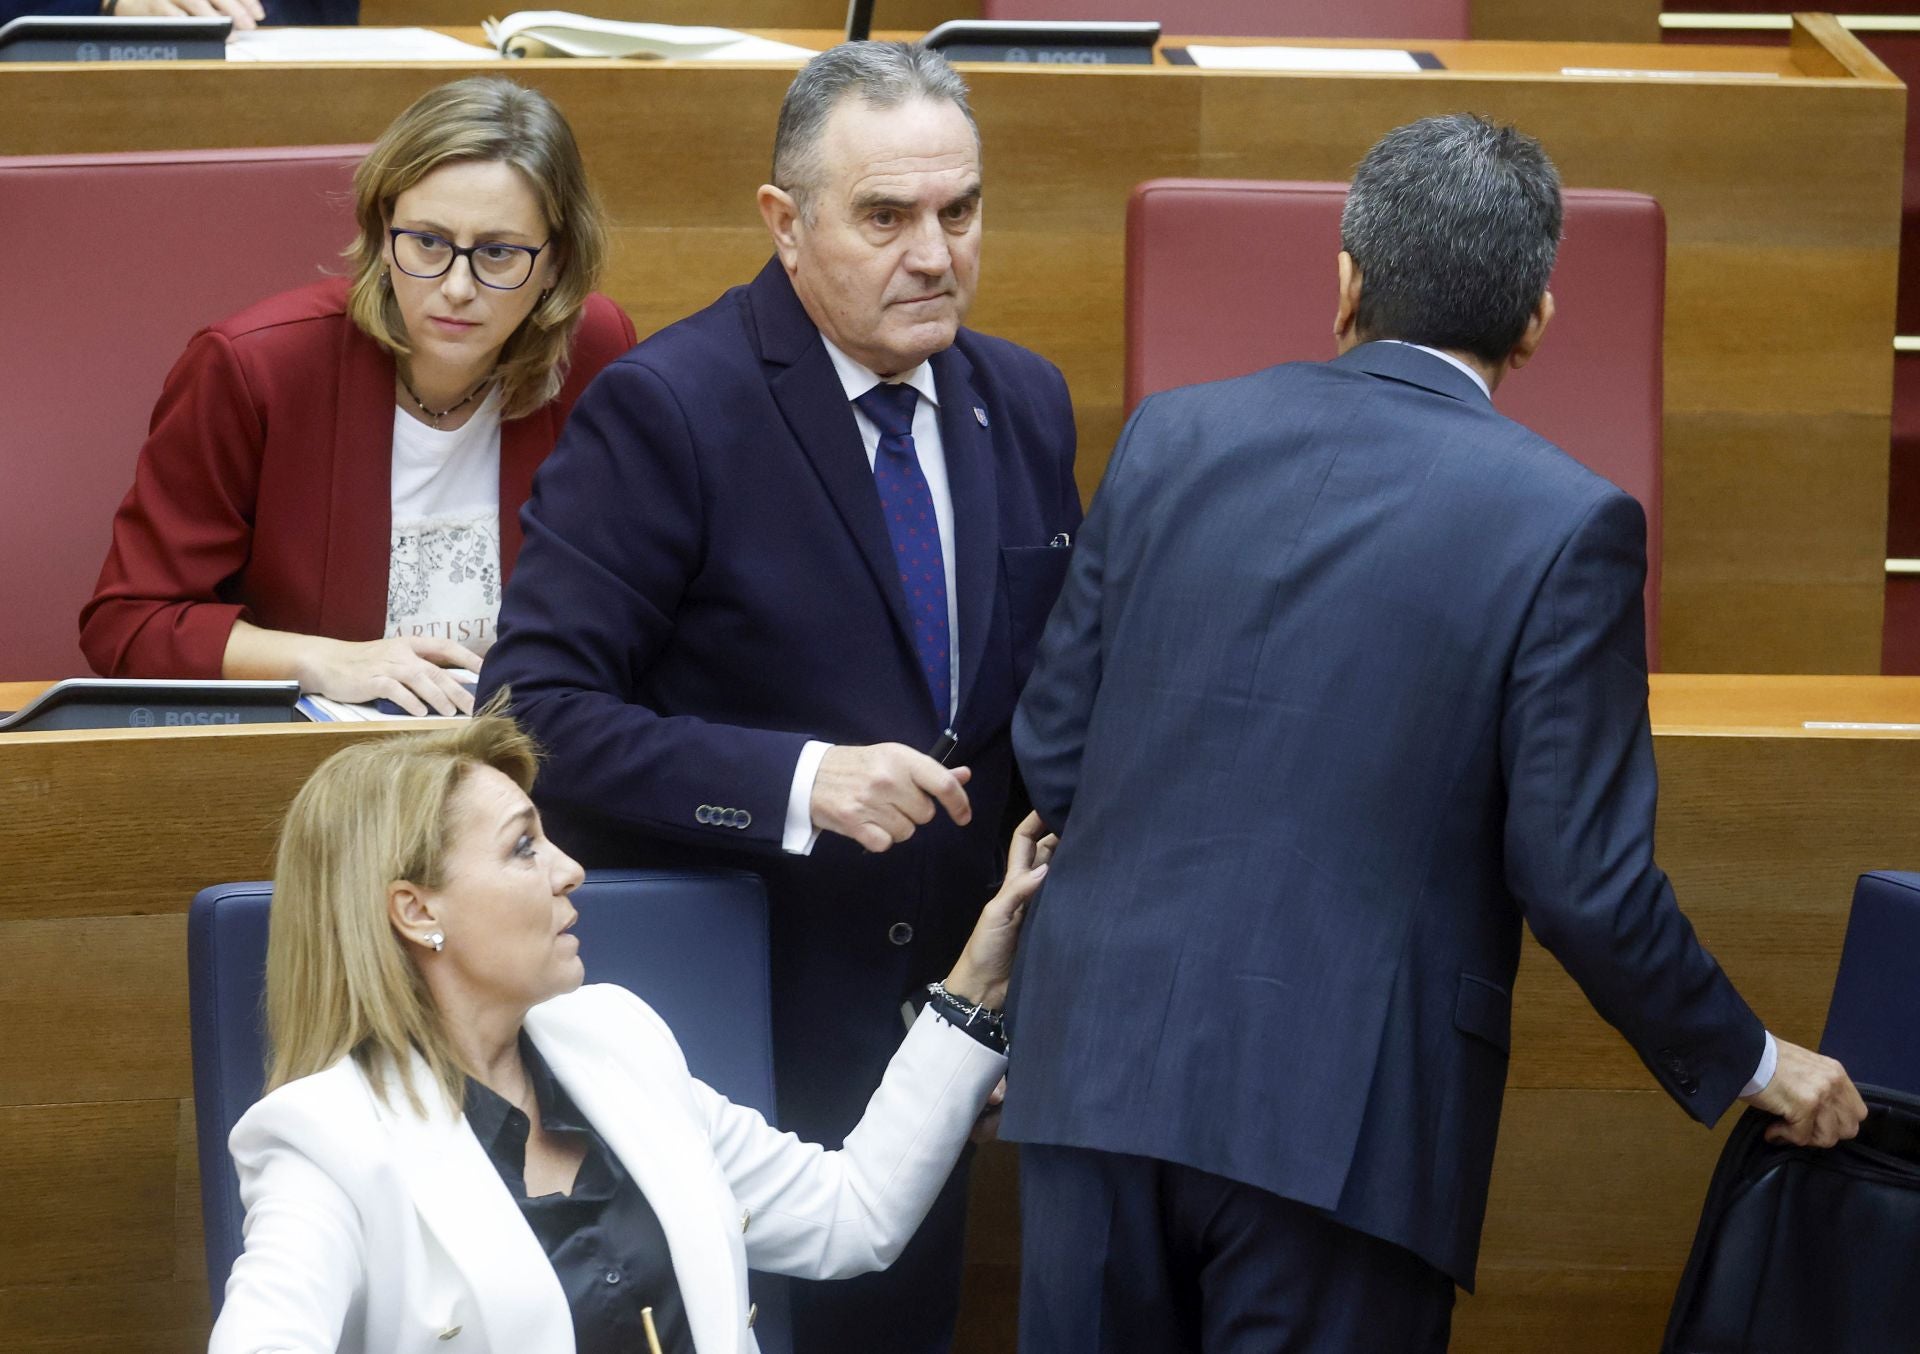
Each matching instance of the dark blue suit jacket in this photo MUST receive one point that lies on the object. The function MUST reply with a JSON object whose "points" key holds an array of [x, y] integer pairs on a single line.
{"points": [[707, 583], [1347, 679]]}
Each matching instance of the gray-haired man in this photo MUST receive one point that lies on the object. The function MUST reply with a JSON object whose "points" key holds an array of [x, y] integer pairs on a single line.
{"points": [[1347, 678], [786, 548]]}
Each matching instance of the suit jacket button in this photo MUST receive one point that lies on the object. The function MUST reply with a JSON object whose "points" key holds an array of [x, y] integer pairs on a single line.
{"points": [[703, 814], [449, 1332], [746, 1218], [745, 819], [753, 1314], [900, 933]]}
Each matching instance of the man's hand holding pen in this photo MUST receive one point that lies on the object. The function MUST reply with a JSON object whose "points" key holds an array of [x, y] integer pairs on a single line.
{"points": [[878, 795]]}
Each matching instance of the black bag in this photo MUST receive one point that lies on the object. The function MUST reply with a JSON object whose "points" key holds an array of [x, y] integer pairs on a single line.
{"points": [[1804, 1251]]}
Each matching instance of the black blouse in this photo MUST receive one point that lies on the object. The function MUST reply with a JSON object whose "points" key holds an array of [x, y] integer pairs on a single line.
{"points": [[604, 1239]]}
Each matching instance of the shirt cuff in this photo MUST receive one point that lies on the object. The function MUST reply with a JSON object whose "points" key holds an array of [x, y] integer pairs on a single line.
{"points": [[1769, 1059], [800, 833]]}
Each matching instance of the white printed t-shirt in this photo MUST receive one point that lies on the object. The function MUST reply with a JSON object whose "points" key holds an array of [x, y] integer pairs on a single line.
{"points": [[443, 572]]}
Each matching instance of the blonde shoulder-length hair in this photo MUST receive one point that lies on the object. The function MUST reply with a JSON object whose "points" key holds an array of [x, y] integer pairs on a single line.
{"points": [[339, 979], [490, 120]]}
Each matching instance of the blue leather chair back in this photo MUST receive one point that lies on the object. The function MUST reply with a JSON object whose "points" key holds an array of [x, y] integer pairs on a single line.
{"points": [[1873, 1024], [693, 944]]}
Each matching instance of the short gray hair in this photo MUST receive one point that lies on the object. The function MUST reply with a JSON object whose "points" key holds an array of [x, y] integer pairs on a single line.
{"points": [[1454, 223], [881, 75]]}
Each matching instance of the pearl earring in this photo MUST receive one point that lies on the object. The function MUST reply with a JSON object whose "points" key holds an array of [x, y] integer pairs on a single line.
{"points": [[437, 940]]}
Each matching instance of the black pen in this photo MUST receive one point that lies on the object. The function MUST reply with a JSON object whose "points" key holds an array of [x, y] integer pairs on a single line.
{"points": [[943, 747]]}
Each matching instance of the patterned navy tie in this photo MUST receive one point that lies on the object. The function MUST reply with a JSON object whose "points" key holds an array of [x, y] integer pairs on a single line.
{"points": [[908, 507]]}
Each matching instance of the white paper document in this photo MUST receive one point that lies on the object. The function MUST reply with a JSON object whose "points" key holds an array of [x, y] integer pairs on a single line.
{"points": [[1365, 60], [326, 710], [556, 32], [1612, 73], [352, 44], [1857, 724]]}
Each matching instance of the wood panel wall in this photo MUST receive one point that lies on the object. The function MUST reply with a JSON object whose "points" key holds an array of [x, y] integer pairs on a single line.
{"points": [[1557, 21]]}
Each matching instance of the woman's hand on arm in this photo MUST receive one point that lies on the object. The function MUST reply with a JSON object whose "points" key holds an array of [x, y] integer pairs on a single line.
{"points": [[986, 964], [411, 672]]}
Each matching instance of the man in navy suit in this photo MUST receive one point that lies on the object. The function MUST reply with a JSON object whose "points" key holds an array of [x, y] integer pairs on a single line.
{"points": [[786, 549], [1347, 678]]}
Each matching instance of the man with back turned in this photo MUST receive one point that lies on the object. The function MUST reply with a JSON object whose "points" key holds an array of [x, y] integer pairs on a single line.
{"points": [[1347, 679], [786, 549]]}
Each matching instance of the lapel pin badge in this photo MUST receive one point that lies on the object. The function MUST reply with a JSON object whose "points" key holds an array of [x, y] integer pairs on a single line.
{"points": [[979, 415]]}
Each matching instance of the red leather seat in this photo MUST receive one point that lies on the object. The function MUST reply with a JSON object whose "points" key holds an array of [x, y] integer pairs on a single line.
{"points": [[1260, 18], [118, 259], [1225, 277]]}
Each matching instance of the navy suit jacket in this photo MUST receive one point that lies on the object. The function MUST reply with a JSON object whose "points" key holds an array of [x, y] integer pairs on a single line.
{"points": [[706, 583], [1347, 678]]}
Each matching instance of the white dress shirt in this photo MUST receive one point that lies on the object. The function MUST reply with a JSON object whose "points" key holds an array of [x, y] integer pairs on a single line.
{"points": [[1449, 358], [799, 833]]}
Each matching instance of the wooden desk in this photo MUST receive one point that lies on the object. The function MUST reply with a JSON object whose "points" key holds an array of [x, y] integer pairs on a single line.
{"points": [[1763, 826], [1535, 20], [1781, 188]]}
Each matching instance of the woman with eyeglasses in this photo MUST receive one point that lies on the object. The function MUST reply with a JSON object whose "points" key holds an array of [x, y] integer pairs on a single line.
{"points": [[331, 487], [462, 1148]]}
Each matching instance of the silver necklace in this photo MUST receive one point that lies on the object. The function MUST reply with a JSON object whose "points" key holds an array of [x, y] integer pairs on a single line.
{"points": [[435, 416]]}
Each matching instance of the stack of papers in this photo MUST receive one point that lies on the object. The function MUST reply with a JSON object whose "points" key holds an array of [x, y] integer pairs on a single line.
{"points": [[1366, 60], [557, 32], [352, 44], [540, 33], [327, 710]]}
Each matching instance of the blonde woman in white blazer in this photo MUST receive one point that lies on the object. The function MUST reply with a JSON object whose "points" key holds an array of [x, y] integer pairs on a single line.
{"points": [[420, 963]]}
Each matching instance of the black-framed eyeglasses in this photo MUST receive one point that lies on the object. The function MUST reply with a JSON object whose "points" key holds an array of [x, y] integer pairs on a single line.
{"points": [[421, 253]]}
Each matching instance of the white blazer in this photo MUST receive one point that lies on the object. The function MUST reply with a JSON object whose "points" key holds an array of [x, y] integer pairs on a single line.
{"points": [[372, 1230]]}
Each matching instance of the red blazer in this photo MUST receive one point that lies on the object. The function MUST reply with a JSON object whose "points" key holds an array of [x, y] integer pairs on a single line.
{"points": [[264, 489]]}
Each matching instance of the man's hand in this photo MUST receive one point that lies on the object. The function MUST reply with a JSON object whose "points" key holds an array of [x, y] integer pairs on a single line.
{"points": [[878, 795], [244, 13], [1814, 1098]]}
